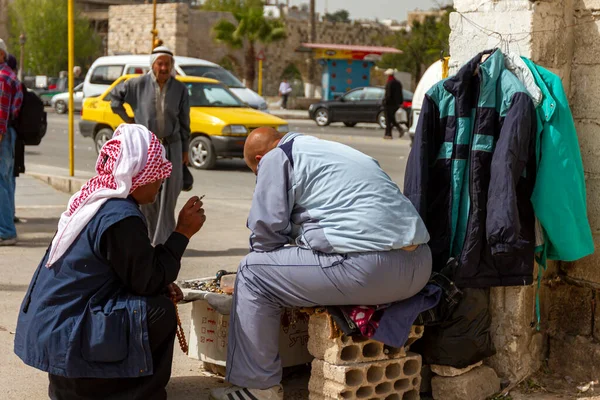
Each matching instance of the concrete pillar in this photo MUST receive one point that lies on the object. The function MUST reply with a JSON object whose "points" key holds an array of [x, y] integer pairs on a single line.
{"points": [[562, 36]]}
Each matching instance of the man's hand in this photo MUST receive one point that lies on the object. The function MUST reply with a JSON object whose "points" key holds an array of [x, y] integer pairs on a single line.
{"points": [[175, 292], [1, 137], [186, 159], [191, 218]]}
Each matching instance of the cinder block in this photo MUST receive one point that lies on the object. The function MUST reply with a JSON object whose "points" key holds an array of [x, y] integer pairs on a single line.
{"points": [[445, 370], [477, 384], [348, 349], [398, 379]]}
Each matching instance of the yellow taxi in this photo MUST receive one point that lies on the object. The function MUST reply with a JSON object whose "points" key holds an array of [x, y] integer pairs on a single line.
{"points": [[219, 120]]}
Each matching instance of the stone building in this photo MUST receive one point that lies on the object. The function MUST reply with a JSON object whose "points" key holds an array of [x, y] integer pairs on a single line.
{"points": [[563, 36], [189, 33]]}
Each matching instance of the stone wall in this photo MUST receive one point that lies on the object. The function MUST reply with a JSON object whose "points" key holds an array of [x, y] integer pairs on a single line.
{"points": [[562, 36], [189, 33]]}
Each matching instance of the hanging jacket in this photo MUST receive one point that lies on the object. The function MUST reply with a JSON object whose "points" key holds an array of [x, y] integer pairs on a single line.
{"points": [[559, 195], [471, 174]]}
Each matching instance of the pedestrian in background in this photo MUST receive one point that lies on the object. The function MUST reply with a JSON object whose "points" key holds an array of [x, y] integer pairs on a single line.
{"points": [[19, 165], [284, 91], [11, 97], [392, 101], [161, 104]]}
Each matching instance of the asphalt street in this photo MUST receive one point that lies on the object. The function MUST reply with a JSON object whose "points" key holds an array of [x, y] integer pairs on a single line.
{"points": [[53, 151]]}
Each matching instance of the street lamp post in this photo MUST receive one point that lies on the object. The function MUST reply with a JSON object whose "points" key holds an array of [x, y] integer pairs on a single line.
{"points": [[22, 40]]}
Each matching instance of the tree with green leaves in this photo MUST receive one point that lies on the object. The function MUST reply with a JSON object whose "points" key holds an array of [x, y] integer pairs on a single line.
{"points": [[421, 45], [250, 27], [44, 22], [338, 16]]}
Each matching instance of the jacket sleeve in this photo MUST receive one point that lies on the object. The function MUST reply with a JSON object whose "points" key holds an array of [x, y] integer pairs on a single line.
{"points": [[513, 150], [184, 120], [422, 157], [272, 203], [119, 96], [387, 97], [143, 269]]}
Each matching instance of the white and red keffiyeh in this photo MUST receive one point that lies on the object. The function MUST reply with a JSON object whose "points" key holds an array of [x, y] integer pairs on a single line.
{"points": [[132, 158]]}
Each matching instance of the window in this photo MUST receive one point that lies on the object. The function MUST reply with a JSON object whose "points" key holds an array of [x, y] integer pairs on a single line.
{"points": [[212, 95], [106, 74], [137, 70], [355, 95], [213, 72], [374, 93]]}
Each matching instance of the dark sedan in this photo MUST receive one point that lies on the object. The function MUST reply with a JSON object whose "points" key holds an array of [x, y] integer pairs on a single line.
{"points": [[358, 105]]}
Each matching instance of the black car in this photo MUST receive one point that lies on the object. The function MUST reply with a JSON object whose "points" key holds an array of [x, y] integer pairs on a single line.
{"points": [[358, 105]]}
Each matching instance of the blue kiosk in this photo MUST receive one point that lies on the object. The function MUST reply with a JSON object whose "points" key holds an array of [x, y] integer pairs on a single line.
{"points": [[345, 67]]}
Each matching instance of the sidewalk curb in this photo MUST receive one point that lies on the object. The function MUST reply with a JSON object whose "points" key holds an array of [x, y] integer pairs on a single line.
{"points": [[63, 184], [287, 115]]}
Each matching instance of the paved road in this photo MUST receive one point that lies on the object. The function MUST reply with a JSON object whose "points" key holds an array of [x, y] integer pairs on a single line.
{"points": [[365, 137]]}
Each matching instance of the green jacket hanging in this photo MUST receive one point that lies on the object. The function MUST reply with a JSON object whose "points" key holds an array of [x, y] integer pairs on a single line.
{"points": [[559, 196]]}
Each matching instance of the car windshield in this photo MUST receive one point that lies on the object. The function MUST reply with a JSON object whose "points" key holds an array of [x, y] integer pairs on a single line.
{"points": [[213, 72], [211, 95]]}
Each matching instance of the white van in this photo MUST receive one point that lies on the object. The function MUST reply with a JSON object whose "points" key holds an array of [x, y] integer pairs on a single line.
{"points": [[432, 76], [105, 70]]}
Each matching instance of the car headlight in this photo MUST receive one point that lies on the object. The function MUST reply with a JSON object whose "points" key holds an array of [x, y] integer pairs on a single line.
{"points": [[234, 130], [311, 107], [262, 106], [283, 128]]}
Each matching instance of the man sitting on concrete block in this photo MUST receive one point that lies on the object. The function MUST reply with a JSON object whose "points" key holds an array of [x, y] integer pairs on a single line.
{"points": [[356, 240]]}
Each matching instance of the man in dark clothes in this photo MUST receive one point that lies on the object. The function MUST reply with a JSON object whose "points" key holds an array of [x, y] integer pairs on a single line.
{"points": [[19, 144], [97, 316], [392, 101]]}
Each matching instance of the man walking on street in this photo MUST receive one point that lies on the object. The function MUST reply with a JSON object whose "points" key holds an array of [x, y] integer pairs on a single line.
{"points": [[160, 103], [392, 101], [284, 91], [11, 97]]}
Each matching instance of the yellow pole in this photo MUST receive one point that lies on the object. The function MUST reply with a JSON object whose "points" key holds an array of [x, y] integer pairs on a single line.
{"points": [[260, 77], [154, 32], [71, 40]]}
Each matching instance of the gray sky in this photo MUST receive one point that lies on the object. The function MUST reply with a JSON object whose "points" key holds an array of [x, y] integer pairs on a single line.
{"points": [[382, 9]]}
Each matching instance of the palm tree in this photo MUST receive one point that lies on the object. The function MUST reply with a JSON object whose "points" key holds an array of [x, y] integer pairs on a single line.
{"points": [[251, 27]]}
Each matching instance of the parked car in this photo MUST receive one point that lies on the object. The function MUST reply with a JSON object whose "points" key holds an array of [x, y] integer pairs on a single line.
{"points": [[60, 102], [105, 70], [55, 86], [219, 120], [358, 105]]}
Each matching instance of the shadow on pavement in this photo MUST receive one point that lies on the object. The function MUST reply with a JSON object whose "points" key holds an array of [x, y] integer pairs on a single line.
{"points": [[192, 387], [216, 253], [36, 232]]}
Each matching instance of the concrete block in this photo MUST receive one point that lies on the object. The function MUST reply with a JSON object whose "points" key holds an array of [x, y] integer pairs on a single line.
{"points": [[587, 40], [584, 84], [468, 6], [571, 310], [348, 349], [592, 184], [575, 356], [477, 384], [588, 132], [445, 370], [596, 332], [391, 379]]}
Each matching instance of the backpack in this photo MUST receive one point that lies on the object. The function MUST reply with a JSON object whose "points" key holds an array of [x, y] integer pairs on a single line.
{"points": [[31, 123]]}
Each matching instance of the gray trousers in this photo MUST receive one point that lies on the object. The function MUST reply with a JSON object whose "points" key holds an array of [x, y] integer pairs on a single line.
{"points": [[296, 277], [160, 215]]}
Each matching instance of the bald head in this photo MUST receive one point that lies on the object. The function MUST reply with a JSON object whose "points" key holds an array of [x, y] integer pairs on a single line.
{"points": [[260, 142]]}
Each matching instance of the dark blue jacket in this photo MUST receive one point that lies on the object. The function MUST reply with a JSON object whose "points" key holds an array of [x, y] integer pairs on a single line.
{"points": [[471, 174], [77, 319]]}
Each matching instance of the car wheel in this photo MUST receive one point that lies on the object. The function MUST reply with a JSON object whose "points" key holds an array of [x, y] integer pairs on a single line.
{"points": [[322, 117], [202, 153], [350, 124], [101, 137], [60, 107], [381, 120]]}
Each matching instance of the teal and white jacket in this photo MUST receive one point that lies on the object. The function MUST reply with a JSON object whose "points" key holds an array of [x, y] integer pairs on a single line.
{"points": [[331, 198]]}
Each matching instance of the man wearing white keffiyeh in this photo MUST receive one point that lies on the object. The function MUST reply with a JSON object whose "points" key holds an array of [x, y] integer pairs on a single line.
{"points": [[96, 316]]}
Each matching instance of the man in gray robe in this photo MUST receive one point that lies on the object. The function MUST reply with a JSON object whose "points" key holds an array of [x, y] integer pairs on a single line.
{"points": [[160, 103]]}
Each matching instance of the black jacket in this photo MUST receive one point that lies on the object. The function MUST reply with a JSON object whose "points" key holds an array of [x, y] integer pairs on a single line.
{"points": [[393, 94], [471, 174]]}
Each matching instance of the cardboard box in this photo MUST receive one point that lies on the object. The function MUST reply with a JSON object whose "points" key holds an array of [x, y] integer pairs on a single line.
{"points": [[209, 331]]}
